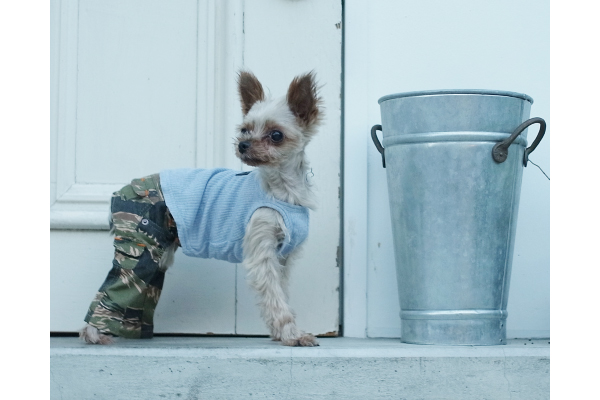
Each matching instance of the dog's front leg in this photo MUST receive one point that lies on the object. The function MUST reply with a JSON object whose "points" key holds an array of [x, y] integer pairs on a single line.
{"points": [[267, 276]]}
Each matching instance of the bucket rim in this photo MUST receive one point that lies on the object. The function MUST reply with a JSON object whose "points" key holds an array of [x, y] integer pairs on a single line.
{"points": [[456, 91]]}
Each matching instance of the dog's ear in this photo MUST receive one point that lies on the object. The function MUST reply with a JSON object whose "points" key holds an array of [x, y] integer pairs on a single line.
{"points": [[303, 99], [250, 90]]}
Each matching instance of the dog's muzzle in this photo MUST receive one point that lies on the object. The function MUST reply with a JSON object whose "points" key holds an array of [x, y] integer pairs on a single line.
{"points": [[243, 146]]}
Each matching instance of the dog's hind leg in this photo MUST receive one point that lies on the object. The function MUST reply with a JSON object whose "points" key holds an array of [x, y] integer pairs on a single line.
{"points": [[268, 277], [93, 336]]}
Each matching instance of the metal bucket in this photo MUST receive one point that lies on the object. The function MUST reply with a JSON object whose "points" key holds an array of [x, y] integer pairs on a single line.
{"points": [[454, 162]]}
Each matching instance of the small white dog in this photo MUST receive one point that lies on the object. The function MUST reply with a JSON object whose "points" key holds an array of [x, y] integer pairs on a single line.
{"points": [[260, 217]]}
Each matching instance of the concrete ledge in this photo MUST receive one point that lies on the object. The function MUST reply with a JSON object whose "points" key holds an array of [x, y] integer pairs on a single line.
{"points": [[341, 368]]}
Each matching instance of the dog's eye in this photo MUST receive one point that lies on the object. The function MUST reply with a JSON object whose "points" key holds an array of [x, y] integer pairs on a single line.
{"points": [[276, 136], [244, 131]]}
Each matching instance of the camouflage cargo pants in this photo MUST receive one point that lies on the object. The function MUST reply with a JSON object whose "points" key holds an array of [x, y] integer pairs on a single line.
{"points": [[125, 303]]}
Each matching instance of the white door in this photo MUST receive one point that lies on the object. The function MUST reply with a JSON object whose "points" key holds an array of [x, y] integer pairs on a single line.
{"points": [[139, 86]]}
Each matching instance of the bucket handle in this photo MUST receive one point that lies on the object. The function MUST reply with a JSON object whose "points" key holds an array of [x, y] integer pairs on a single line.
{"points": [[500, 150], [374, 130]]}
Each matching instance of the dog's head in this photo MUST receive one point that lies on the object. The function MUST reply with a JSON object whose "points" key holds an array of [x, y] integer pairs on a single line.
{"points": [[275, 130]]}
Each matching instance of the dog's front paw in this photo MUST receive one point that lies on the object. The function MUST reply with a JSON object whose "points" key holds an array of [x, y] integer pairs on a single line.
{"points": [[306, 340], [292, 336]]}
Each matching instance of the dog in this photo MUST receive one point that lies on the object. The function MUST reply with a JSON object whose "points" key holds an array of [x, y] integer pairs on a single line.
{"points": [[258, 217]]}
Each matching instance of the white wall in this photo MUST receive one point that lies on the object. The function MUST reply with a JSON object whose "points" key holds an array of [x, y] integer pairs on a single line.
{"points": [[410, 45]]}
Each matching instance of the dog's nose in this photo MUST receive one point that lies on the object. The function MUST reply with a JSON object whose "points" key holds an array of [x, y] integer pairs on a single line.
{"points": [[243, 146]]}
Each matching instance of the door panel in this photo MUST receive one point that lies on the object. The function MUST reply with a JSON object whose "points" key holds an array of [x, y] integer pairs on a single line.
{"points": [[135, 88]]}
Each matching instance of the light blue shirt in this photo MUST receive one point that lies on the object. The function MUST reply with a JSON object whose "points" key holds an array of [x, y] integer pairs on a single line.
{"points": [[212, 207]]}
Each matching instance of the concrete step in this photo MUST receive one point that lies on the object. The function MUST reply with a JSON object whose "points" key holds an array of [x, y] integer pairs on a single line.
{"points": [[257, 368]]}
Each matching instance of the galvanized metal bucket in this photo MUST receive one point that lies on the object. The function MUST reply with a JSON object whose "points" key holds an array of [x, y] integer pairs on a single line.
{"points": [[454, 161]]}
